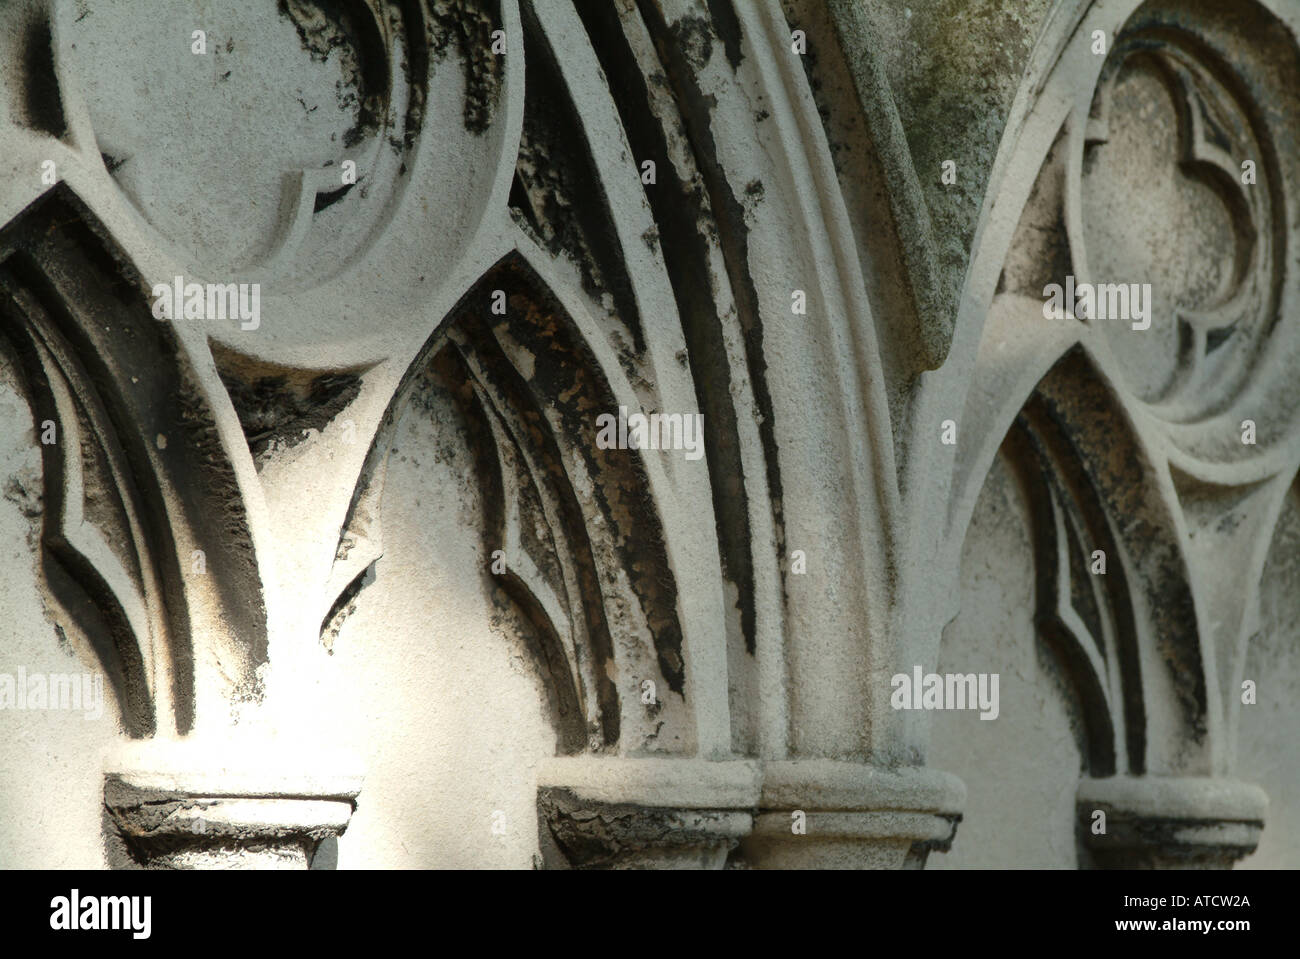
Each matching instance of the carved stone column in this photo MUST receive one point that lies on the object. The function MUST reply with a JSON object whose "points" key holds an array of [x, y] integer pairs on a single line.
{"points": [[1158, 823]]}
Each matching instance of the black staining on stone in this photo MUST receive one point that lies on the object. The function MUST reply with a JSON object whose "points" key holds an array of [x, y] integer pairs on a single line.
{"points": [[468, 25], [407, 18], [824, 74], [327, 199], [225, 515], [64, 277], [518, 407], [1133, 841], [728, 217], [808, 61], [145, 827], [1229, 522], [754, 190], [118, 852], [42, 102], [1058, 676], [323, 25], [727, 26], [519, 614], [679, 210], [25, 493], [279, 407], [336, 28], [577, 833], [559, 187], [919, 852], [694, 39], [565, 368], [599, 552], [561, 397]]}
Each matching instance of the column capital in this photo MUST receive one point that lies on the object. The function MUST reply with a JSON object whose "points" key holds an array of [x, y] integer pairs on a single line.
{"points": [[854, 815], [668, 813], [644, 813], [183, 806], [1155, 822]]}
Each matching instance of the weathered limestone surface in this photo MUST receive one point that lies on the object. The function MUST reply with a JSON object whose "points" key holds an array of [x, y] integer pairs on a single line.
{"points": [[317, 321]]}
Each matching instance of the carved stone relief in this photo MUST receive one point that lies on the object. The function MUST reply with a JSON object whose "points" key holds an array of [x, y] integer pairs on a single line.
{"points": [[592, 421]]}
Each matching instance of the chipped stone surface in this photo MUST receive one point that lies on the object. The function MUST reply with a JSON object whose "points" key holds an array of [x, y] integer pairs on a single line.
{"points": [[364, 581]]}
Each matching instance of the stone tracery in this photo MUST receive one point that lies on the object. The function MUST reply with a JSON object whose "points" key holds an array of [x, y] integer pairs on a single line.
{"points": [[770, 686]]}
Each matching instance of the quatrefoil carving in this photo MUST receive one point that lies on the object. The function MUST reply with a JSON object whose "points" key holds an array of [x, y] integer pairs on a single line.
{"points": [[1170, 142]]}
